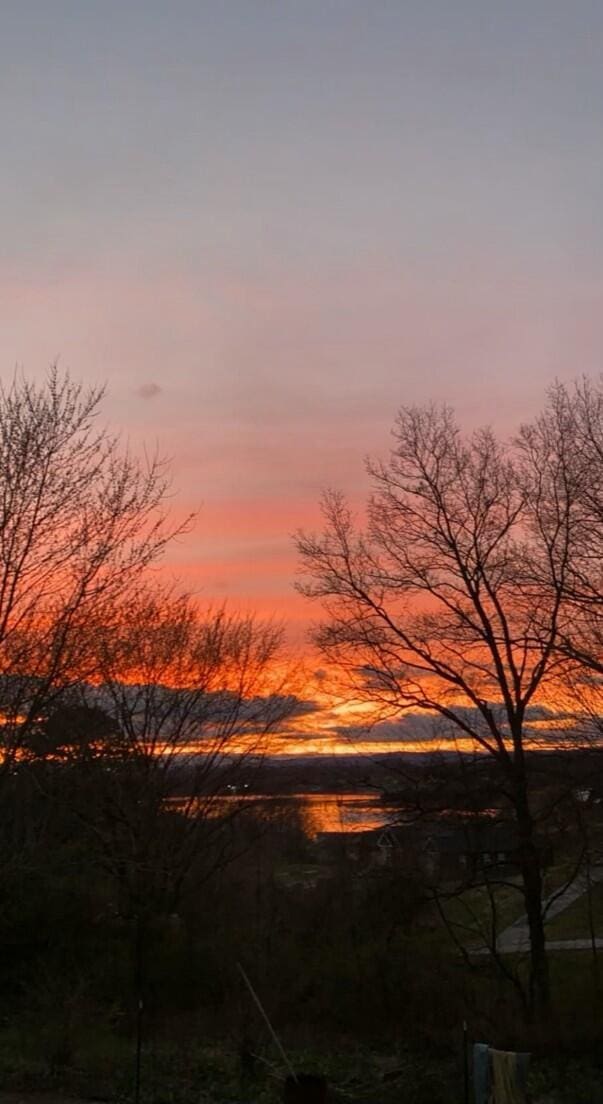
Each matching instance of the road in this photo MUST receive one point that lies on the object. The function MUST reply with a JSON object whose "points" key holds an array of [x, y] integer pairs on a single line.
{"points": [[516, 938]]}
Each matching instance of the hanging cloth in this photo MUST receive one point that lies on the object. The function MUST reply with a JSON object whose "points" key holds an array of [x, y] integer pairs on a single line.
{"points": [[508, 1070]]}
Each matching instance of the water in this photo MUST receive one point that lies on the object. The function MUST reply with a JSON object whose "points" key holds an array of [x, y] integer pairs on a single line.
{"points": [[321, 812], [339, 812]]}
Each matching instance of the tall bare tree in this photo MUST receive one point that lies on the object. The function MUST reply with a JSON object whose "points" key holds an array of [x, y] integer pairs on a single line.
{"points": [[80, 520], [188, 699], [157, 751], [453, 599]]}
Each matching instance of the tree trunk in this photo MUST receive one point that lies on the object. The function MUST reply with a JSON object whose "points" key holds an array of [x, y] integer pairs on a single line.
{"points": [[531, 874]]}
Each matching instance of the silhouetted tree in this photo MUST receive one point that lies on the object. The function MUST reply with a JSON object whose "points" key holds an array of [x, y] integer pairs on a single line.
{"points": [[80, 520], [193, 694], [178, 717], [456, 598], [75, 733]]}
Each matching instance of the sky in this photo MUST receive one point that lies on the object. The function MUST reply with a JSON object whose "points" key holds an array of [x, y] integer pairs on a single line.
{"points": [[267, 224]]}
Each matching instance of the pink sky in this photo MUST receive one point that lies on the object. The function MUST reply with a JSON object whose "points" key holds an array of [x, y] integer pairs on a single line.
{"points": [[269, 393]]}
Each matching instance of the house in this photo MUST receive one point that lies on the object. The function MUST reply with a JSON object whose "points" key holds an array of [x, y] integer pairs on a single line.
{"points": [[333, 847], [449, 850], [442, 850]]}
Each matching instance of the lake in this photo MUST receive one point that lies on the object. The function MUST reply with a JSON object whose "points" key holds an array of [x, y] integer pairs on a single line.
{"points": [[340, 812], [323, 812]]}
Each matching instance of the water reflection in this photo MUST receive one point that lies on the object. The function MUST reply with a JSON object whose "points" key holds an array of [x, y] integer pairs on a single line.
{"points": [[321, 812], [341, 812]]}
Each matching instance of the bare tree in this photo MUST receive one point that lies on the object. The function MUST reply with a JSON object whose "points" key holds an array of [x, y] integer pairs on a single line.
{"points": [[195, 694], [564, 448], [165, 739], [80, 520], [453, 600], [191, 697]]}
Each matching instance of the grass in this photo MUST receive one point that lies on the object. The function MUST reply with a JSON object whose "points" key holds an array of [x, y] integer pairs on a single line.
{"points": [[573, 922], [194, 1071], [199, 1072], [471, 912]]}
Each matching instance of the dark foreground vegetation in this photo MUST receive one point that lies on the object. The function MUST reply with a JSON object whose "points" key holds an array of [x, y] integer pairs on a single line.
{"points": [[352, 961]]}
